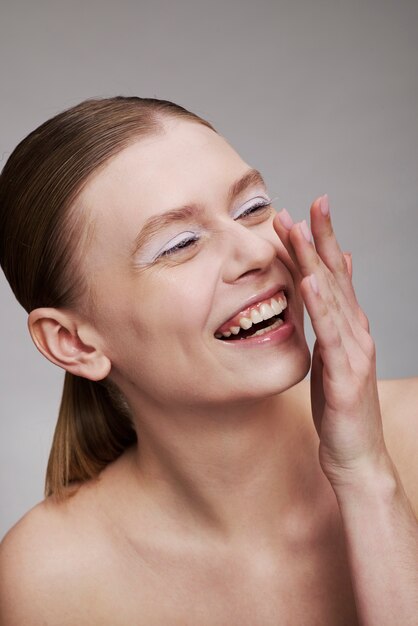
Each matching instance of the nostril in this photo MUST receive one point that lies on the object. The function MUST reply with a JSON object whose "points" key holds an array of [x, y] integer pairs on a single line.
{"points": [[250, 273], [247, 254]]}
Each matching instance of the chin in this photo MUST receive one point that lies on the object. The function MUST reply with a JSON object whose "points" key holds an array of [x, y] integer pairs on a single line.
{"points": [[271, 381], [287, 375]]}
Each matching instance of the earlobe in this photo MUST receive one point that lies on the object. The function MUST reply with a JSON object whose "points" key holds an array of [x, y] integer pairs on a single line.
{"points": [[55, 334]]}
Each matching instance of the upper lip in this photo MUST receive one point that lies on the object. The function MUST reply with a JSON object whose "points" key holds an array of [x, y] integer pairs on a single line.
{"points": [[268, 293]]}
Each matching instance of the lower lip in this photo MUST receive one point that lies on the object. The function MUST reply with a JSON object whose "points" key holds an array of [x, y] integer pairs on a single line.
{"points": [[273, 338]]}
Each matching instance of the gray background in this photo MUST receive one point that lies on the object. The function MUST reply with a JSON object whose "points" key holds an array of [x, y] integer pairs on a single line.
{"points": [[321, 96]]}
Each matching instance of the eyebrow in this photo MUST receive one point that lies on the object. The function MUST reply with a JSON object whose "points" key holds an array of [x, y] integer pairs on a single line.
{"points": [[181, 214]]}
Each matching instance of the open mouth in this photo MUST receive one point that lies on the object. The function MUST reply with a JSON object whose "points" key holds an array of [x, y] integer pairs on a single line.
{"points": [[258, 319]]}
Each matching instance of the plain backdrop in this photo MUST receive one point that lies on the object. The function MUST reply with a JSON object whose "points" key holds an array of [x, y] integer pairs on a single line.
{"points": [[320, 95]]}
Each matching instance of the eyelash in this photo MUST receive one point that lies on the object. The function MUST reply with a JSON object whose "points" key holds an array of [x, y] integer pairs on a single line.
{"points": [[263, 204], [190, 241], [179, 246]]}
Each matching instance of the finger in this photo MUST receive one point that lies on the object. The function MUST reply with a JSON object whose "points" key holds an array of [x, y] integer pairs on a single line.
{"points": [[302, 246], [331, 344], [304, 257], [327, 247], [310, 260], [283, 224], [362, 318], [349, 261], [286, 230], [337, 305]]}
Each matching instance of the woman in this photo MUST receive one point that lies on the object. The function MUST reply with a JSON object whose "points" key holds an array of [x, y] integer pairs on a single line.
{"points": [[184, 485]]}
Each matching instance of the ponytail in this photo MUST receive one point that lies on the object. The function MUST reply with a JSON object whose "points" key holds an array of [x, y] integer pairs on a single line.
{"points": [[43, 240], [92, 430]]}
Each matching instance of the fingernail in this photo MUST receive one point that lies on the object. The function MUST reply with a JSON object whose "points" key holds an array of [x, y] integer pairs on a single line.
{"points": [[305, 230], [314, 283], [285, 219], [324, 204]]}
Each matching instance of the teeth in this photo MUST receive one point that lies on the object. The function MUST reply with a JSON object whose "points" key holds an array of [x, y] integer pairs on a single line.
{"points": [[277, 306], [276, 324], [266, 311], [256, 317], [245, 323]]}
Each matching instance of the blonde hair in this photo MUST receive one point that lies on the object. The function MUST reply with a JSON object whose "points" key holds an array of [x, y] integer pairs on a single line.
{"points": [[41, 243]]}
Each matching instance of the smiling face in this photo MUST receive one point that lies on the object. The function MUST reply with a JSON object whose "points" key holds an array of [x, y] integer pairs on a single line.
{"points": [[182, 242]]}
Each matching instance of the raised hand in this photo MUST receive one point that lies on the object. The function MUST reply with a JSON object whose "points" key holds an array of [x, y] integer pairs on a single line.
{"points": [[344, 396]]}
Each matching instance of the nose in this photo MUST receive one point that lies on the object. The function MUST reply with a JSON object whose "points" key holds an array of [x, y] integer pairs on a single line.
{"points": [[249, 251]]}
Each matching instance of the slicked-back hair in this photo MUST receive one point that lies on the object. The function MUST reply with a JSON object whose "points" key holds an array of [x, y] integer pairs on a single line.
{"points": [[42, 239]]}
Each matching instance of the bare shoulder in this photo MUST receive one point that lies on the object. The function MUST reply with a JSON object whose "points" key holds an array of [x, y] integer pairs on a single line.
{"points": [[400, 392], [399, 408], [29, 563], [399, 404], [45, 562]]}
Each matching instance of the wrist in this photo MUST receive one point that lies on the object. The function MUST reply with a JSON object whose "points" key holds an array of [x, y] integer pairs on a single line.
{"points": [[371, 481]]}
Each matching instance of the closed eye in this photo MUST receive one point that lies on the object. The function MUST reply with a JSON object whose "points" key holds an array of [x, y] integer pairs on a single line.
{"points": [[261, 207], [184, 243], [257, 208]]}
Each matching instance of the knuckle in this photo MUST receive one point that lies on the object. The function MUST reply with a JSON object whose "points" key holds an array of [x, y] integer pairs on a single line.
{"points": [[370, 347], [323, 311], [328, 231], [364, 320], [335, 303], [333, 281], [362, 372], [334, 339], [341, 265], [316, 260]]}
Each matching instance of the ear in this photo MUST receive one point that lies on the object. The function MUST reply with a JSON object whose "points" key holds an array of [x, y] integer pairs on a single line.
{"points": [[56, 334]]}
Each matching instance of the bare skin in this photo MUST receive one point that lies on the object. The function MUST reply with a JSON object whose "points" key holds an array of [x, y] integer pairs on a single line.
{"points": [[225, 513], [111, 556]]}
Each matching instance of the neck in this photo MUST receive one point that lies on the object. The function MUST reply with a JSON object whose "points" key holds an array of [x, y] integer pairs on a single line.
{"points": [[241, 474]]}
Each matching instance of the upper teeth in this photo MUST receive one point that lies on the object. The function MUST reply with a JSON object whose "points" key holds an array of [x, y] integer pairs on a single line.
{"points": [[264, 312]]}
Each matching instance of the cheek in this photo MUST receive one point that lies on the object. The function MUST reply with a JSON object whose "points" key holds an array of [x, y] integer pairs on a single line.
{"points": [[187, 299], [170, 304]]}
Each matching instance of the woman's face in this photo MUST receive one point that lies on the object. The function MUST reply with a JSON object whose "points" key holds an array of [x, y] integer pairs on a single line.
{"points": [[165, 281]]}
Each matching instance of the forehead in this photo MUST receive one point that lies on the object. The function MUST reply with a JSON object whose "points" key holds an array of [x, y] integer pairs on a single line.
{"points": [[187, 162]]}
